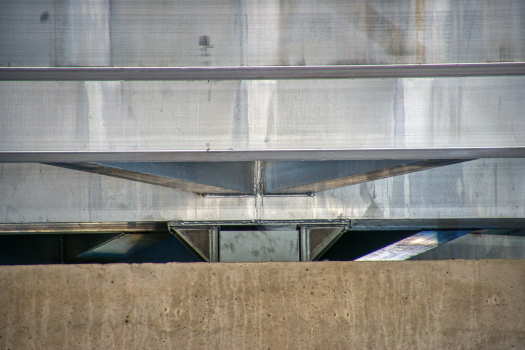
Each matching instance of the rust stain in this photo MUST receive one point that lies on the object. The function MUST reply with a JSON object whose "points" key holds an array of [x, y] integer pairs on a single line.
{"points": [[420, 26], [420, 53], [420, 15], [385, 32]]}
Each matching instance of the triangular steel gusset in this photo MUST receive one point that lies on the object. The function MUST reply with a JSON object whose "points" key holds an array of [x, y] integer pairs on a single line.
{"points": [[259, 178]]}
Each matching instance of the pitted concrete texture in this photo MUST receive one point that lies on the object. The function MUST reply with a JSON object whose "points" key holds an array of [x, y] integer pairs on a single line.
{"points": [[320, 305]]}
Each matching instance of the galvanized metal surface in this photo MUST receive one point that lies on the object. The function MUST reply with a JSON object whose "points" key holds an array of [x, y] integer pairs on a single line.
{"points": [[199, 239], [265, 73], [49, 33], [485, 189], [333, 119], [258, 33], [305, 177], [413, 245], [212, 177], [266, 242], [239, 178], [315, 240], [321, 239], [438, 223], [465, 153], [214, 244], [258, 246], [450, 118], [261, 224], [82, 227], [304, 243]]}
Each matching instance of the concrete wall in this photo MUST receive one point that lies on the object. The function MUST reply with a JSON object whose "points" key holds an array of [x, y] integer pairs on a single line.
{"points": [[321, 305]]}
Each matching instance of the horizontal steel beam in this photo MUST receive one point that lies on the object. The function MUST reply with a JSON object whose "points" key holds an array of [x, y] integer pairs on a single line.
{"points": [[337, 119], [438, 223], [266, 73], [176, 33], [280, 155], [82, 227], [354, 224], [286, 224], [374, 224]]}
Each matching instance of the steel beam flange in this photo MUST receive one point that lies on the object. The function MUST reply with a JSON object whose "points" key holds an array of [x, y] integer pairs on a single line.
{"points": [[328, 222], [264, 72]]}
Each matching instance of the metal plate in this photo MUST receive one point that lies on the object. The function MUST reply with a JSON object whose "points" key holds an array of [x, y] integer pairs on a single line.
{"points": [[485, 189], [159, 33], [260, 120], [258, 246], [211, 177], [310, 177], [91, 227], [265, 73]]}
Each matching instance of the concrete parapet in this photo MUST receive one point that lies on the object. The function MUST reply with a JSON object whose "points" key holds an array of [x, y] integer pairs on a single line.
{"points": [[455, 304]]}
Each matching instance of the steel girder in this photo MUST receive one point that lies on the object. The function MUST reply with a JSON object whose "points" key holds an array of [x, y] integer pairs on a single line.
{"points": [[87, 97], [484, 189]]}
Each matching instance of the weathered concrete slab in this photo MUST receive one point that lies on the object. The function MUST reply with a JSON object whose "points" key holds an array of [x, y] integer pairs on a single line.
{"points": [[324, 305]]}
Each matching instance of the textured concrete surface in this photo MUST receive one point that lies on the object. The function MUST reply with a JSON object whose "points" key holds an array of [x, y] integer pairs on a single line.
{"points": [[320, 305]]}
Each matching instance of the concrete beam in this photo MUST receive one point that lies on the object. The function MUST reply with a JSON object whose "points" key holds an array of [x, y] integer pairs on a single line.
{"points": [[388, 305]]}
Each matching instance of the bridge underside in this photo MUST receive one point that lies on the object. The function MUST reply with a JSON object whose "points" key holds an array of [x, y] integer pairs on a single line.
{"points": [[277, 132], [311, 120]]}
